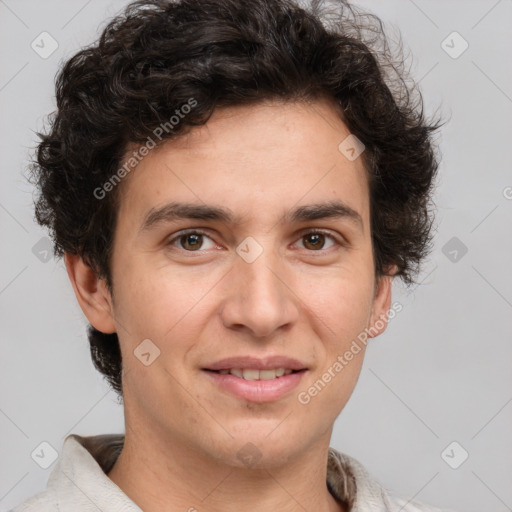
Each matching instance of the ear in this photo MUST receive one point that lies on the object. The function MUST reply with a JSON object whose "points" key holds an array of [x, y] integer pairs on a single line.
{"points": [[381, 303], [92, 294]]}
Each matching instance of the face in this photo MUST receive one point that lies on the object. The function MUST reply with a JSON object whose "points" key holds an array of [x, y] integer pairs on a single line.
{"points": [[262, 273]]}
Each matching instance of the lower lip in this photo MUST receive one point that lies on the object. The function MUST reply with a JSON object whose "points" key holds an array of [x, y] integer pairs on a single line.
{"points": [[257, 390]]}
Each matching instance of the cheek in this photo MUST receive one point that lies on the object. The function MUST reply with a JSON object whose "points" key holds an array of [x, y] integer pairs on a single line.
{"points": [[342, 301], [340, 310], [163, 304]]}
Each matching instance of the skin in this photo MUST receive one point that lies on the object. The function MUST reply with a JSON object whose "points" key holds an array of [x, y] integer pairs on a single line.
{"points": [[297, 299]]}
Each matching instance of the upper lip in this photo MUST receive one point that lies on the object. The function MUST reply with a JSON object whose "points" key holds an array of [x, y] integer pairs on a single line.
{"points": [[257, 363]]}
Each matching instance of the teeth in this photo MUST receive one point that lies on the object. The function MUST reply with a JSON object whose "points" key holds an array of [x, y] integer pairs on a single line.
{"points": [[250, 374], [267, 374]]}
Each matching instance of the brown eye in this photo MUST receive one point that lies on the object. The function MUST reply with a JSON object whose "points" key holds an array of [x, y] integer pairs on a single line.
{"points": [[315, 240], [192, 241]]}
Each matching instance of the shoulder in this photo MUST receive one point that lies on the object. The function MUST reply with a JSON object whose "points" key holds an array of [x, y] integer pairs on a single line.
{"points": [[369, 495], [78, 479], [44, 501]]}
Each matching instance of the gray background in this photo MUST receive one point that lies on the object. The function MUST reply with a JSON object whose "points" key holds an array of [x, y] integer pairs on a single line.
{"points": [[440, 373]]}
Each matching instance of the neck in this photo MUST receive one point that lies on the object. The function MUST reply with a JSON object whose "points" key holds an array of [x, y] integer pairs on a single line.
{"points": [[158, 474]]}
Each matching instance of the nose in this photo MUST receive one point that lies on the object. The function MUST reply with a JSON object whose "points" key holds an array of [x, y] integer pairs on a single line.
{"points": [[260, 297]]}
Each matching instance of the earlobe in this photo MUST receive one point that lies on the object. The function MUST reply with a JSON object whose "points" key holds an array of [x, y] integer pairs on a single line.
{"points": [[381, 304], [91, 293]]}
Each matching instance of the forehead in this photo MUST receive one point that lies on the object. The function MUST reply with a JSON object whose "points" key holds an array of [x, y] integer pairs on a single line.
{"points": [[256, 160]]}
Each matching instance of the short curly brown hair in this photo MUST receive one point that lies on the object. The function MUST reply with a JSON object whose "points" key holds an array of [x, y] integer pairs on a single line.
{"points": [[151, 59]]}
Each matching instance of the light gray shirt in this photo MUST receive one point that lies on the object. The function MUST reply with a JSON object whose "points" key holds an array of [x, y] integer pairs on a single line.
{"points": [[79, 482]]}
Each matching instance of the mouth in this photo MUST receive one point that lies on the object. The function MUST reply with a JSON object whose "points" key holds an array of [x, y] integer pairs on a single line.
{"points": [[254, 374], [259, 386], [255, 378]]}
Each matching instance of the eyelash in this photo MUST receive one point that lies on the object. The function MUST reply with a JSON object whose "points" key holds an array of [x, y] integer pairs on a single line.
{"points": [[302, 235]]}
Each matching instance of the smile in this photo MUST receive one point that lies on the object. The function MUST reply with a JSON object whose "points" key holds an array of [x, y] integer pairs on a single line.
{"points": [[252, 374], [256, 385]]}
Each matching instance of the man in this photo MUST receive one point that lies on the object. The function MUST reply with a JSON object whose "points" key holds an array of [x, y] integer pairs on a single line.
{"points": [[233, 187]]}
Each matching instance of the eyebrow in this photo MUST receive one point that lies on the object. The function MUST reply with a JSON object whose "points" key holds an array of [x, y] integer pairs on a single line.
{"points": [[174, 211]]}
